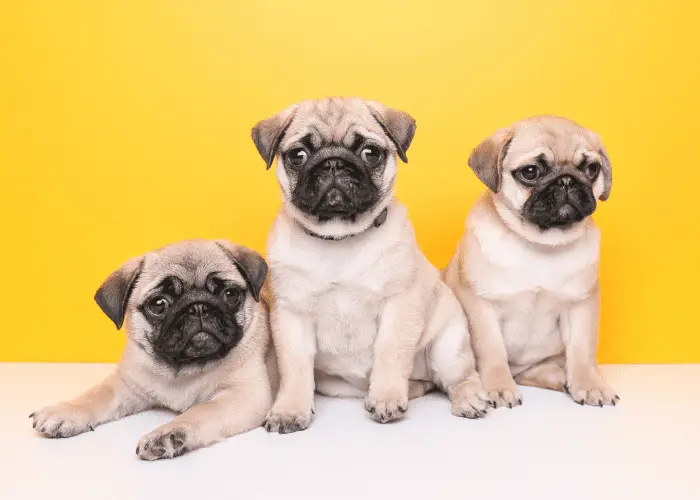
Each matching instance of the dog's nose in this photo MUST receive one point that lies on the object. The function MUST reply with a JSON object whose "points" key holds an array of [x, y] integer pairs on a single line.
{"points": [[334, 164], [564, 180], [198, 310]]}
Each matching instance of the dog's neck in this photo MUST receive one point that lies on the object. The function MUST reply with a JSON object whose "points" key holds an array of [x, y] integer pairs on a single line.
{"points": [[378, 221]]}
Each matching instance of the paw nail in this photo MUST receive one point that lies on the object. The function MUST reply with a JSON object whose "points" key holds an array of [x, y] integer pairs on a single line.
{"points": [[138, 448], [520, 401], [580, 402], [31, 415], [91, 428]]}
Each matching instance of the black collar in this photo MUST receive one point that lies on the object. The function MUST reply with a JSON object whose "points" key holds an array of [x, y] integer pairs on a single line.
{"points": [[381, 219]]}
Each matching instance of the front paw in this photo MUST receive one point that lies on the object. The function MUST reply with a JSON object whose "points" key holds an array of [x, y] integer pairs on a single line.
{"points": [[286, 421], [386, 408], [61, 421], [164, 442], [591, 390], [503, 392], [469, 400]]}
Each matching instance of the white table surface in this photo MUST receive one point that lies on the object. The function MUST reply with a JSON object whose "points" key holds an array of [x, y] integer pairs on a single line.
{"points": [[648, 447]]}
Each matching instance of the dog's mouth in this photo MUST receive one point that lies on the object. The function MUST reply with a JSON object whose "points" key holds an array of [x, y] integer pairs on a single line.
{"points": [[560, 205], [202, 345]]}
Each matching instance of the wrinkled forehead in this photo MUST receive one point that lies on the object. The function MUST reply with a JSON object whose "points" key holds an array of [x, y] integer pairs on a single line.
{"points": [[193, 265], [557, 143], [334, 121]]}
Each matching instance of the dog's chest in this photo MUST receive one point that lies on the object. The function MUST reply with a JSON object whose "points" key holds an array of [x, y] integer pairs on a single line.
{"points": [[342, 289], [345, 311], [179, 393], [504, 268], [346, 327], [529, 325], [530, 287]]}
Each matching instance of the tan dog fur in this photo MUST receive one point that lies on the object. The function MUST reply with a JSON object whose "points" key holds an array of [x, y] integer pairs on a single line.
{"points": [[531, 295], [213, 401]]}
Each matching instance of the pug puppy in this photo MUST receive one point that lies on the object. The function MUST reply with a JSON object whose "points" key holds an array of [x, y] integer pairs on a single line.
{"points": [[357, 310], [526, 268], [197, 341]]}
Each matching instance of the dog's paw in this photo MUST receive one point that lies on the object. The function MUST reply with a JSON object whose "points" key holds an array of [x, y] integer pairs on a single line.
{"points": [[164, 442], [591, 391], [469, 400], [503, 393], [285, 421], [385, 409], [61, 421]]}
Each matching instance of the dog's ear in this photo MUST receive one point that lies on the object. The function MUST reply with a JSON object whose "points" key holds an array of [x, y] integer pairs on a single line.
{"points": [[249, 263], [399, 126], [113, 295], [268, 134], [607, 173], [486, 159]]}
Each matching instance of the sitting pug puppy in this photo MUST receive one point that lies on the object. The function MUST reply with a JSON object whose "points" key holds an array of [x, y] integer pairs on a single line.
{"points": [[353, 298], [197, 340], [526, 269]]}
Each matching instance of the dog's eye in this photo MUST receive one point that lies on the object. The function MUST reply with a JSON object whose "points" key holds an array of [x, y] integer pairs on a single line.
{"points": [[371, 155], [297, 157], [529, 173], [232, 296], [591, 171], [158, 305]]}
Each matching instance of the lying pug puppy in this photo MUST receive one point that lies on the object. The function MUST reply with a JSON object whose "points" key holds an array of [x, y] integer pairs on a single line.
{"points": [[353, 298], [526, 269], [197, 340]]}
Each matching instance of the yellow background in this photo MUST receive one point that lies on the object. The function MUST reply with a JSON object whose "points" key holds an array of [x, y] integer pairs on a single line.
{"points": [[126, 125]]}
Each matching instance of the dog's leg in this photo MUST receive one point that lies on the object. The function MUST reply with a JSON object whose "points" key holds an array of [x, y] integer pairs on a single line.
{"points": [[419, 388], [110, 400], [295, 344], [234, 411], [450, 358], [579, 329], [549, 374], [489, 349], [336, 387], [400, 328]]}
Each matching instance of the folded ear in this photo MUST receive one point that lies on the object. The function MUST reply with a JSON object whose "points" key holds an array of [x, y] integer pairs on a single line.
{"points": [[249, 263], [486, 160], [113, 295], [607, 174], [399, 126], [268, 134]]}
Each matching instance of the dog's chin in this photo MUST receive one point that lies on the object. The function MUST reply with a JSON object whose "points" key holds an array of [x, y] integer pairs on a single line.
{"points": [[339, 224], [561, 229], [562, 218]]}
